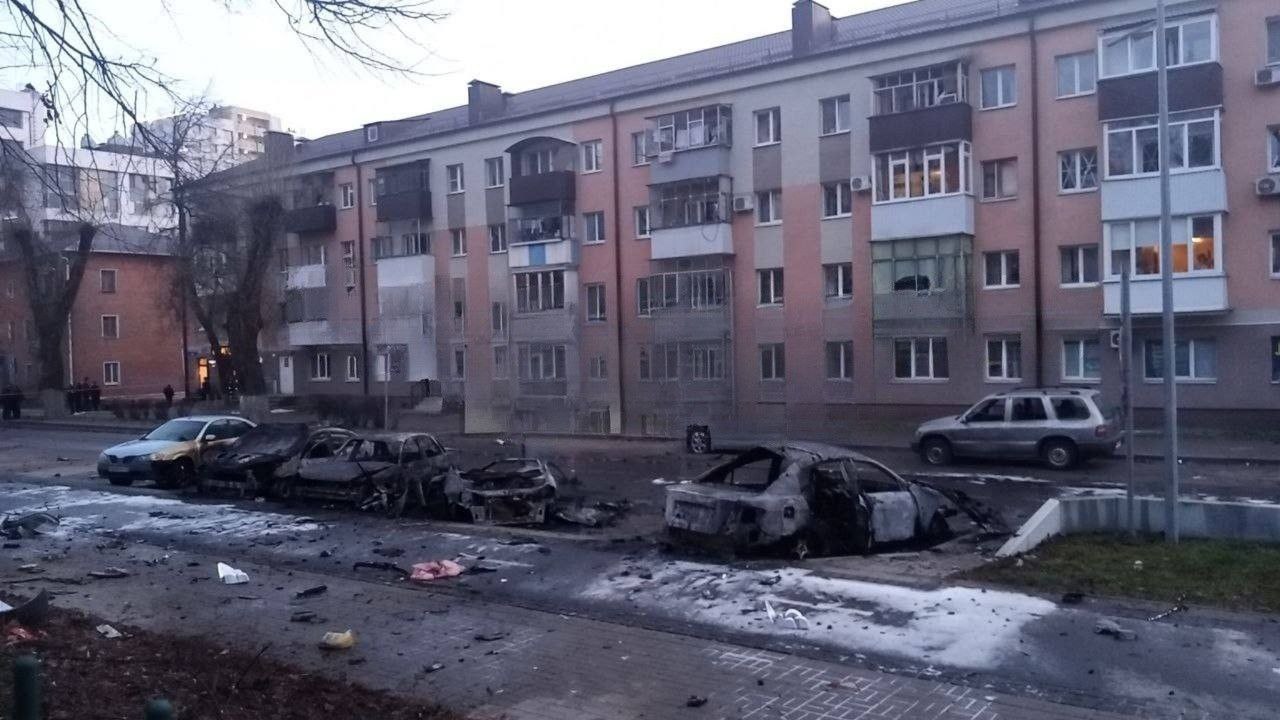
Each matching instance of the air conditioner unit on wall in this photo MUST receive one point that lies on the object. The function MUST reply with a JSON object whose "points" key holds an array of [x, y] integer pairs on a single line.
{"points": [[860, 183], [1267, 186], [743, 203], [1267, 77]]}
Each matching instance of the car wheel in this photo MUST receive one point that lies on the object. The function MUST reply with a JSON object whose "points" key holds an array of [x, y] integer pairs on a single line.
{"points": [[283, 489], [699, 441], [120, 480], [936, 451], [1060, 454], [178, 476], [938, 528]]}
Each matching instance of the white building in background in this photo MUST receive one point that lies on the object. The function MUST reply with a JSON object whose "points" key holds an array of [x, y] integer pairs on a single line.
{"points": [[227, 136], [22, 117]]}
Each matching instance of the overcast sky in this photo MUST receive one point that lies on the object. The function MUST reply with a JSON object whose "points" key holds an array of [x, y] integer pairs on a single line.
{"points": [[249, 57]]}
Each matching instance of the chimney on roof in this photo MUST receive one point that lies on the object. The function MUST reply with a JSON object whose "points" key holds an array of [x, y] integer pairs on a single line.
{"points": [[485, 101], [811, 27], [277, 146]]}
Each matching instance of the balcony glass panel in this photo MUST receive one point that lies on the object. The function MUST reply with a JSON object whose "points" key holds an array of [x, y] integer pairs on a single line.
{"points": [[921, 88], [687, 129]]}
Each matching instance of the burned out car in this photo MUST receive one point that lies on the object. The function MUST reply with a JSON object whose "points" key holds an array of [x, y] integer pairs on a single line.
{"points": [[511, 491], [383, 471], [268, 455], [805, 498]]}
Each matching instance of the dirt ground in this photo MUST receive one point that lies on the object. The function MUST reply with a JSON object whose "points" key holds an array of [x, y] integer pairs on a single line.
{"points": [[85, 675]]}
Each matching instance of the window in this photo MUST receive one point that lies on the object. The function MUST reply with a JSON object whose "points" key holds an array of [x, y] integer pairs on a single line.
{"points": [[1187, 41], [594, 227], [539, 291], [837, 200], [411, 244], [320, 366], [1077, 74], [921, 358], [1004, 359], [999, 87], [922, 172], [498, 238], [1133, 147], [1079, 265], [693, 128], [1078, 170], [500, 362], [917, 266], [835, 115], [921, 88], [1193, 360], [459, 238], [111, 373], [347, 191], [597, 368], [768, 126], [498, 319], [349, 262], [10, 118], [770, 286], [1001, 269], [1069, 408], [460, 363], [1273, 148], [110, 326], [706, 361], [1027, 409], [456, 182], [642, 221], [840, 360], [692, 290], [107, 280], [537, 162], [373, 191], [1136, 243], [1081, 360], [660, 362], [592, 156], [768, 207], [542, 362], [838, 280], [494, 172], [1273, 41], [999, 179], [773, 362], [640, 148], [313, 254], [370, 133], [353, 368], [1275, 359], [1275, 256], [595, 302]]}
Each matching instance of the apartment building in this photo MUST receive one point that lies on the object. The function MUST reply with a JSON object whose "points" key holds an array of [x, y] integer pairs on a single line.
{"points": [[890, 212], [224, 137]]}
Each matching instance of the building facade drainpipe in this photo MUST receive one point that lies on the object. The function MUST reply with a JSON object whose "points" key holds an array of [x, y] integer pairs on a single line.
{"points": [[617, 263], [1038, 305], [360, 283]]}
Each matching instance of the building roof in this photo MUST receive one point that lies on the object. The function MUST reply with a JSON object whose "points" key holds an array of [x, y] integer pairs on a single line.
{"points": [[123, 240]]}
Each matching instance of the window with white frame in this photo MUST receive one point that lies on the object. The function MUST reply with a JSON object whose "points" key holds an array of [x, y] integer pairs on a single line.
{"points": [[1001, 269], [458, 236], [1273, 41], [353, 368], [347, 191], [107, 281], [659, 362], [370, 133], [539, 291], [837, 199], [592, 156], [1133, 148], [415, 244], [1077, 74], [597, 368], [1273, 148], [838, 280], [541, 362], [1188, 40], [1000, 179], [706, 361], [919, 265], [1081, 360], [498, 238], [460, 363], [594, 229], [1079, 265], [373, 191], [348, 248], [110, 326], [768, 207], [921, 88], [595, 302], [1004, 358], [835, 115], [1275, 359], [999, 87], [770, 286], [494, 172], [320, 366], [840, 360], [500, 362], [498, 319], [640, 148], [384, 246], [111, 372], [768, 126], [692, 128], [922, 172], [773, 361], [1197, 245], [1194, 360], [537, 161], [641, 214], [920, 358], [1275, 255], [1078, 170], [457, 183]]}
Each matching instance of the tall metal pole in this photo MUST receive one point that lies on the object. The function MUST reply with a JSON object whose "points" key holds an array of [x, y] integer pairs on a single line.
{"points": [[1126, 375], [1168, 339]]}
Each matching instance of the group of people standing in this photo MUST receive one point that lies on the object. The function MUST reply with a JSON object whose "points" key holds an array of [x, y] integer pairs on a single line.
{"points": [[84, 396], [11, 402]]}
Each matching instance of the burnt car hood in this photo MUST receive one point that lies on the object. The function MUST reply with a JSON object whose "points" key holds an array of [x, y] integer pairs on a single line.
{"points": [[727, 510]]}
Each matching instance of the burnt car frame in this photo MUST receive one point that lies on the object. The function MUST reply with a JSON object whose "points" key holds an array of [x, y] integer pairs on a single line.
{"points": [[807, 499], [510, 491], [268, 455], [373, 471]]}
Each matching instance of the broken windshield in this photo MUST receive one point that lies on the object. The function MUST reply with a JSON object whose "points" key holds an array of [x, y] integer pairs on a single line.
{"points": [[176, 431]]}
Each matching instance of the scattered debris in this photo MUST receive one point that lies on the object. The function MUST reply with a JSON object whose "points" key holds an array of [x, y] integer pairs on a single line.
{"points": [[32, 524], [15, 634], [312, 591], [1179, 606], [519, 541], [338, 641], [111, 573], [584, 516], [435, 570], [388, 552], [433, 667], [12, 546], [1072, 598], [771, 580], [231, 576], [695, 701], [797, 620], [1110, 627], [490, 636], [326, 553], [304, 616], [109, 632], [377, 565], [511, 491], [33, 568], [768, 609]]}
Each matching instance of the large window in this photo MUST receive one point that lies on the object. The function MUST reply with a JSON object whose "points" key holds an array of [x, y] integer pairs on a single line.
{"points": [[494, 172], [111, 373], [1187, 41], [1078, 170], [837, 199], [595, 302], [1004, 359], [920, 358], [1002, 269], [1000, 179], [1193, 360], [110, 326], [921, 88], [1079, 265], [1077, 74], [597, 367], [1081, 360], [840, 360], [773, 361], [999, 87], [320, 366], [498, 238], [1136, 243], [539, 291], [353, 368], [838, 280], [641, 216], [706, 361], [933, 170], [687, 129], [542, 362], [1273, 41], [835, 115], [347, 193], [594, 229], [107, 280], [458, 237], [660, 362], [456, 181], [592, 156], [916, 266], [770, 286], [768, 126], [691, 202], [768, 207], [640, 148], [1133, 147], [689, 290]]}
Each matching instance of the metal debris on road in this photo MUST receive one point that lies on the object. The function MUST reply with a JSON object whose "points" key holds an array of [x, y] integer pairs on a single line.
{"points": [[16, 634], [388, 552], [31, 612], [796, 619], [695, 701], [33, 568], [378, 565], [1179, 606], [30, 523], [1110, 627], [433, 667], [312, 591], [111, 573], [108, 632], [338, 640], [436, 570], [231, 576], [490, 636], [304, 616], [771, 580]]}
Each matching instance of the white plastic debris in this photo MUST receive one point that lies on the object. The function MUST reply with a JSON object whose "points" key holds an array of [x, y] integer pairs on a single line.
{"points": [[797, 620], [108, 632], [768, 609], [232, 576]]}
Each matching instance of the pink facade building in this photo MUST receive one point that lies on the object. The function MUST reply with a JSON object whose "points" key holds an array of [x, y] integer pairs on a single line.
{"points": [[888, 212]]}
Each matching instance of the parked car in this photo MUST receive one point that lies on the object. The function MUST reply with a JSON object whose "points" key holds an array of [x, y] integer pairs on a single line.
{"points": [[173, 453], [1061, 426], [511, 491], [268, 454], [807, 498], [376, 471]]}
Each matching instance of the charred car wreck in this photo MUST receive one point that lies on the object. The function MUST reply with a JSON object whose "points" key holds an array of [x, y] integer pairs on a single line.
{"points": [[809, 499], [265, 458], [512, 491]]}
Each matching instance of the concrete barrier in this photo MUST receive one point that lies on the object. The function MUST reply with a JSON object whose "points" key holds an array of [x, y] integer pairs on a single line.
{"points": [[1108, 513]]}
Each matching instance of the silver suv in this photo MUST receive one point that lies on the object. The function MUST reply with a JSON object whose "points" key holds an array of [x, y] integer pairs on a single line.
{"points": [[1058, 425]]}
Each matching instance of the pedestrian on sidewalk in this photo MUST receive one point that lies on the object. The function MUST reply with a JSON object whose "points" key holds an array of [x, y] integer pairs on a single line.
{"points": [[12, 404], [95, 395], [168, 395], [73, 398]]}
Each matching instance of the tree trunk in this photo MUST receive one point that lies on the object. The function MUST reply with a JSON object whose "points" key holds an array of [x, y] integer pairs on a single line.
{"points": [[51, 298], [245, 323]]}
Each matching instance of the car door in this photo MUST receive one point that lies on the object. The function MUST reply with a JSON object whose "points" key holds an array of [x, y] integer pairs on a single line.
{"points": [[835, 507], [216, 437], [893, 507], [437, 457], [1028, 424], [321, 465], [980, 428]]}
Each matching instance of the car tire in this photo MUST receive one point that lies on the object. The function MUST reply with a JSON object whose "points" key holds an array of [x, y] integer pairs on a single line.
{"points": [[698, 439], [1060, 454], [936, 451], [938, 529], [119, 481], [177, 477]]}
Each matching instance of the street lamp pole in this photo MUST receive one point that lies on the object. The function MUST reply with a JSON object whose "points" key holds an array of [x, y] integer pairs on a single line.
{"points": [[1168, 341]]}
